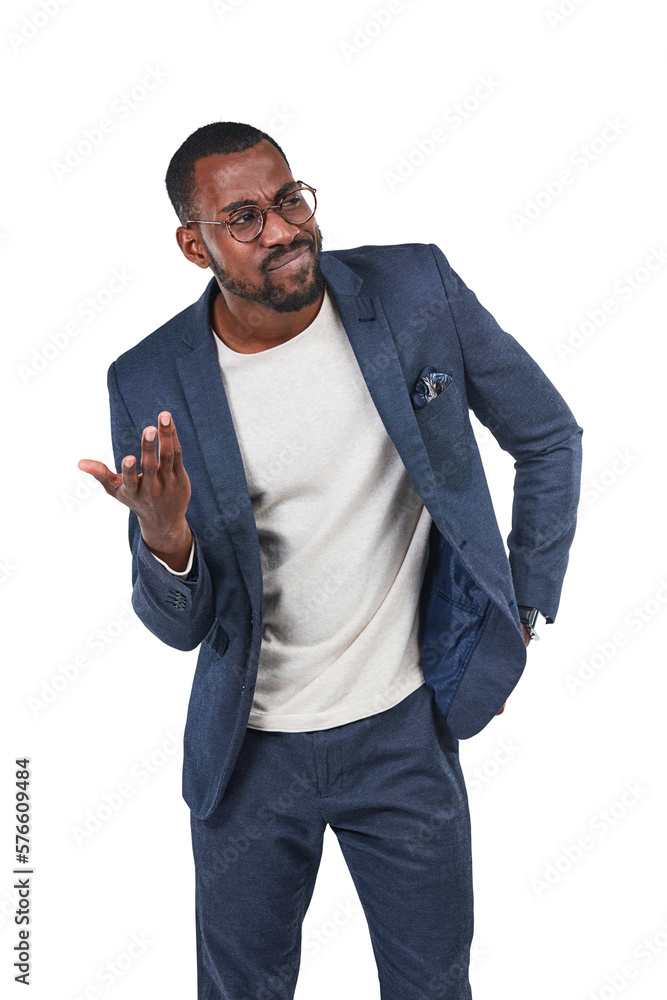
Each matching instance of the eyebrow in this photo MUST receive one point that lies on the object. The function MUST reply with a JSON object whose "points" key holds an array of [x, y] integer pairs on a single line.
{"points": [[233, 205]]}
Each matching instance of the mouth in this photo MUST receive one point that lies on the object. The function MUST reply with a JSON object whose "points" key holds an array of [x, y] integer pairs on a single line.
{"points": [[293, 261]]}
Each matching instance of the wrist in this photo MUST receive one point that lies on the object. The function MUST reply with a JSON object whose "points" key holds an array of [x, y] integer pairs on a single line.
{"points": [[172, 546], [167, 540]]}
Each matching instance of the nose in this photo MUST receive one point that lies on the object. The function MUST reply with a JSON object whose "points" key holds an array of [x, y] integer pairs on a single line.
{"points": [[276, 229]]}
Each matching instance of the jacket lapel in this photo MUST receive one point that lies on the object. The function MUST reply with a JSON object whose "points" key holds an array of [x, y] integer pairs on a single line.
{"points": [[370, 335], [207, 401]]}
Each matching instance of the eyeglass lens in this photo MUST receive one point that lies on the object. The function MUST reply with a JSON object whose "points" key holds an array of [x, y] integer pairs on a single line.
{"points": [[297, 207]]}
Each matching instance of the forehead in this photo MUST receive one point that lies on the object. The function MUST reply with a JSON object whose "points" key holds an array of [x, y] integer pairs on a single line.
{"points": [[251, 176]]}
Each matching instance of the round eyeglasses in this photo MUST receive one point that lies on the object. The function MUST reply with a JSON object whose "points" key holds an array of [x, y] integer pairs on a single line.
{"points": [[245, 224]]}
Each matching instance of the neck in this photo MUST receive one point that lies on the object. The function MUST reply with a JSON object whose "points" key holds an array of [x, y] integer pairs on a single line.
{"points": [[248, 327]]}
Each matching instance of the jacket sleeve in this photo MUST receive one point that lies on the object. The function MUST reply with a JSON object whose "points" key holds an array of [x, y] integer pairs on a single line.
{"points": [[510, 394], [178, 610]]}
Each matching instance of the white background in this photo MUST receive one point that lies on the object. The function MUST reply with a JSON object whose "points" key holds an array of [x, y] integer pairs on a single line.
{"points": [[347, 98]]}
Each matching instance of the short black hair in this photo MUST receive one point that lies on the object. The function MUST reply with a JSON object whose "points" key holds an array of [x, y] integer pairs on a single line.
{"points": [[209, 140]]}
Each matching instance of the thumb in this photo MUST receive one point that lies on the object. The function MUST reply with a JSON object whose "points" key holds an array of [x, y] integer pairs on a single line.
{"points": [[102, 473]]}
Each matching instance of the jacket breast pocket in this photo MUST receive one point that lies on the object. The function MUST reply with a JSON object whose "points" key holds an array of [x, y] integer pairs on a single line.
{"points": [[445, 400]]}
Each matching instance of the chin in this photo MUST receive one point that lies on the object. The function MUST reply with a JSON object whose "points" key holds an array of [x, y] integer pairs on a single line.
{"points": [[299, 298]]}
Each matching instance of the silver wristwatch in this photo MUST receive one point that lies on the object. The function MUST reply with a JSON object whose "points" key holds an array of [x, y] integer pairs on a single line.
{"points": [[528, 617]]}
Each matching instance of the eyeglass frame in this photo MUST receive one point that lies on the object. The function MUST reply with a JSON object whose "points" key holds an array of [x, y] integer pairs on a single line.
{"points": [[262, 211]]}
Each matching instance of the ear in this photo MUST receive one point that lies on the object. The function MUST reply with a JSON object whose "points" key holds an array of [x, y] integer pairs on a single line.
{"points": [[192, 246]]}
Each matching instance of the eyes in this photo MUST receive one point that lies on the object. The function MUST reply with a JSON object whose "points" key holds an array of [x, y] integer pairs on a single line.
{"points": [[295, 207], [244, 216], [292, 201], [246, 223]]}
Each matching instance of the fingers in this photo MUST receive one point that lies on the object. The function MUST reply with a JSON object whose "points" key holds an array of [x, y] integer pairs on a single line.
{"points": [[129, 476], [149, 453], [170, 451], [176, 447], [171, 455], [166, 428], [129, 473]]}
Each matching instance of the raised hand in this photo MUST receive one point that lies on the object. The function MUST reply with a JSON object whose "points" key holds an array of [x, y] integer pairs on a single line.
{"points": [[158, 495]]}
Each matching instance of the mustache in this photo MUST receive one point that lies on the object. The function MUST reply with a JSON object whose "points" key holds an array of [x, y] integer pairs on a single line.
{"points": [[276, 258]]}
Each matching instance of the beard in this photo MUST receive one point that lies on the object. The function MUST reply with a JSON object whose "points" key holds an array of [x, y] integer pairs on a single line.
{"points": [[269, 292]]}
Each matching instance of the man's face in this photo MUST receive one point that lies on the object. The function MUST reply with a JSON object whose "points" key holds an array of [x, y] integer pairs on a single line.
{"points": [[252, 270]]}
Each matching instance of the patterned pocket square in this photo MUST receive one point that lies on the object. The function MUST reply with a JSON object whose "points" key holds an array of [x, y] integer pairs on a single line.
{"points": [[429, 385]]}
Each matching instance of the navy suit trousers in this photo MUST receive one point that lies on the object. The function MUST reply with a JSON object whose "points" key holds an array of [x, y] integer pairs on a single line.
{"points": [[391, 788]]}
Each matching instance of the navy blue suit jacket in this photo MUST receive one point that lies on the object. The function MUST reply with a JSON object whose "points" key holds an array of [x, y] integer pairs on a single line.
{"points": [[403, 308]]}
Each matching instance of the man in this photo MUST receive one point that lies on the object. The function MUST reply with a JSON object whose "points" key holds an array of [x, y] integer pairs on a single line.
{"points": [[318, 519]]}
